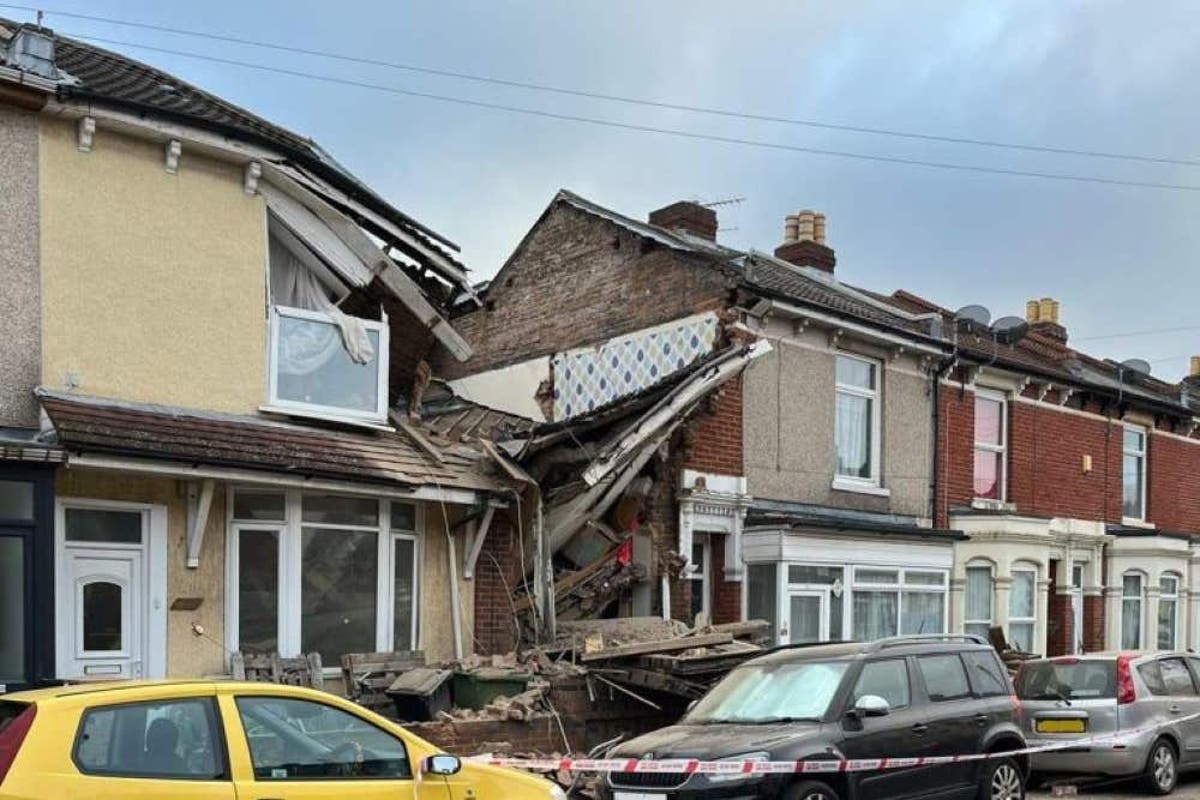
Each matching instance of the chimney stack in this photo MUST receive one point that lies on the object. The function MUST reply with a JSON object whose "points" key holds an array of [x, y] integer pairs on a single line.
{"points": [[687, 217], [1194, 372], [804, 242], [1042, 316]]}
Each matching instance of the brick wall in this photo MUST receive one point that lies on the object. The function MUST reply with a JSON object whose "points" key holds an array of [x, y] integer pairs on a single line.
{"points": [[956, 444], [1173, 484], [1059, 624], [579, 279], [1046, 477], [727, 596], [1093, 624], [494, 628], [714, 437]]}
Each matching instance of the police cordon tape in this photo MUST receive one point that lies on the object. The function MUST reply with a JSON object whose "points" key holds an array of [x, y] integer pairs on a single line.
{"points": [[690, 766]]}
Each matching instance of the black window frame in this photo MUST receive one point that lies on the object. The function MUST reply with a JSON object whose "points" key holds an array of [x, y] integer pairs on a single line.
{"points": [[930, 696], [220, 746], [412, 768]]}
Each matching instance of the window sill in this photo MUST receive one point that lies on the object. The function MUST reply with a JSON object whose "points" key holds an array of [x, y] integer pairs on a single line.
{"points": [[984, 504], [843, 485], [331, 417], [1133, 522]]}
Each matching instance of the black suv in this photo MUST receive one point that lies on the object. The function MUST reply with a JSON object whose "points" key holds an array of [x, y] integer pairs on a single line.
{"points": [[903, 697]]}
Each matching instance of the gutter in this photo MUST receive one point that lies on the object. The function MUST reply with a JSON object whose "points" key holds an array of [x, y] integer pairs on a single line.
{"points": [[765, 307]]}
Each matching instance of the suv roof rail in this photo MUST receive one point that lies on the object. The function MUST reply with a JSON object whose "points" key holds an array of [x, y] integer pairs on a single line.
{"points": [[800, 645], [917, 638]]}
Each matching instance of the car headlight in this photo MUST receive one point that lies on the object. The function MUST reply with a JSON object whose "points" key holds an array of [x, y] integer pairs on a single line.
{"points": [[556, 792], [729, 777]]}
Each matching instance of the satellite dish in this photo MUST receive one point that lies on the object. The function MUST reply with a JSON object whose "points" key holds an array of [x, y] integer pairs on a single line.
{"points": [[971, 317], [1136, 365], [1010, 330]]}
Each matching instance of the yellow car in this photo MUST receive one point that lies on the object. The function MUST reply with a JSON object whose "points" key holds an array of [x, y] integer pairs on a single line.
{"points": [[178, 740]]}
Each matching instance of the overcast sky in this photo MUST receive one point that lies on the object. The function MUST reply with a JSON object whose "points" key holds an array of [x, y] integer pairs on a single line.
{"points": [[1080, 75]]}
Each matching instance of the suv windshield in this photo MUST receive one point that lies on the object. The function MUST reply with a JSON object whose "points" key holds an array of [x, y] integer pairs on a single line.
{"points": [[1073, 679], [763, 693]]}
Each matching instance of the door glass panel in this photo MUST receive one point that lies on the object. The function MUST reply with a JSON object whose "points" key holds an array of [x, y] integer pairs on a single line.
{"points": [[258, 590], [337, 592], [16, 500], [887, 679], [103, 525], [12, 609], [101, 616], [174, 739], [1176, 678], [297, 740], [806, 619], [945, 677], [406, 593]]}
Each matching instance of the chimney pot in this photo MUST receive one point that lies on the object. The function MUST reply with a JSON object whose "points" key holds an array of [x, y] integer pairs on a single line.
{"points": [[687, 216], [1042, 315], [1031, 311], [819, 228], [1048, 310], [791, 227], [807, 222], [804, 242], [1194, 372]]}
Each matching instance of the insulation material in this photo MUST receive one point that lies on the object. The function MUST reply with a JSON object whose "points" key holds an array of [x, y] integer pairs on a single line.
{"points": [[591, 377]]}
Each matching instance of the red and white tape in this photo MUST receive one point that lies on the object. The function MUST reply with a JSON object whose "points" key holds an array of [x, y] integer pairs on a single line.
{"points": [[808, 766]]}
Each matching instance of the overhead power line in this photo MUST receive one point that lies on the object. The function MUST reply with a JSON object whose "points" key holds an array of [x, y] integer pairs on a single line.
{"points": [[637, 101], [630, 126], [1151, 332]]}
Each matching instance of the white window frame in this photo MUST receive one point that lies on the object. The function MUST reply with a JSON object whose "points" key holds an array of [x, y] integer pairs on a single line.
{"points": [[1173, 598], [900, 588], [1140, 599], [1142, 456], [290, 580], [875, 396], [1001, 449], [378, 416], [702, 574], [1078, 611], [1031, 621], [991, 576]]}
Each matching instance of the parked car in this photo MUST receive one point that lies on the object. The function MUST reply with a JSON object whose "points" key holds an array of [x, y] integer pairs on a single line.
{"points": [[1074, 697], [221, 741], [904, 697]]}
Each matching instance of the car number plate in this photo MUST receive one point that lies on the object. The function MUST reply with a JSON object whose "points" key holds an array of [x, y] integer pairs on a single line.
{"points": [[1061, 726], [638, 796]]}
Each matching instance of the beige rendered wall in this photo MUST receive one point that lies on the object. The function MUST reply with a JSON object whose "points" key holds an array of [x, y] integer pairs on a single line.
{"points": [[20, 307], [436, 624], [153, 284], [788, 398], [187, 654]]}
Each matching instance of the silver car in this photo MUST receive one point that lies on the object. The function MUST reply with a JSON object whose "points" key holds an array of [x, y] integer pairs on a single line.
{"points": [[1076, 697]]}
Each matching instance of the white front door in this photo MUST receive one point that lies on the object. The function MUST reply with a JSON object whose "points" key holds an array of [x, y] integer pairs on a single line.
{"points": [[110, 567], [808, 616], [103, 633]]}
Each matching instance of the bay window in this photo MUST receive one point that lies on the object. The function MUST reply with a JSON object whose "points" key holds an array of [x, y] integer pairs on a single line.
{"points": [[991, 441], [322, 573], [856, 420], [1131, 611], [977, 618], [1168, 612], [1022, 608], [1133, 472]]}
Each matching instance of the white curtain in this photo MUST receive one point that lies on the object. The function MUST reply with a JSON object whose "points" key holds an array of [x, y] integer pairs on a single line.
{"points": [[307, 347], [921, 612], [874, 614], [853, 435]]}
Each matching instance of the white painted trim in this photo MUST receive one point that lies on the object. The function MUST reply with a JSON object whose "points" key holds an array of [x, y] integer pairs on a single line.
{"points": [[1143, 456], [841, 483], [154, 625], [766, 307], [893, 367], [875, 396], [246, 476], [1001, 449]]}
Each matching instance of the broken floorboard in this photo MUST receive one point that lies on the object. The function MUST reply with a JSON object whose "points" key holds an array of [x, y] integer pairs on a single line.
{"points": [[661, 646]]}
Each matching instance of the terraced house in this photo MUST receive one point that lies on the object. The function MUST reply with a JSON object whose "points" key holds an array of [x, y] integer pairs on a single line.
{"points": [[205, 324]]}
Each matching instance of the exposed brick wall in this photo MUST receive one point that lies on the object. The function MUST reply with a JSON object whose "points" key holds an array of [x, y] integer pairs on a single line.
{"points": [[714, 439], [727, 596], [1173, 484], [1059, 624], [1046, 477], [956, 444], [579, 279], [494, 628]]}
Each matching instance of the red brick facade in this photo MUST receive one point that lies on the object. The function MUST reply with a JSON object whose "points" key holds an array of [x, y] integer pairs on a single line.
{"points": [[1173, 490], [495, 630], [956, 436], [714, 439]]}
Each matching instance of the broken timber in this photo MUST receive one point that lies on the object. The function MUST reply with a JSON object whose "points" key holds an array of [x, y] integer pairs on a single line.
{"points": [[664, 646]]}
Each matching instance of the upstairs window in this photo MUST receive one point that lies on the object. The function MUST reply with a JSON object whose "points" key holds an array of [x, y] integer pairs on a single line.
{"points": [[1133, 505], [323, 362], [856, 425], [991, 444]]}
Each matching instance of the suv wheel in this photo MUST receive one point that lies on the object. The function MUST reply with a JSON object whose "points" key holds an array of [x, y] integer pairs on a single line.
{"points": [[810, 790], [1162, 771], [1003, 780]]}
